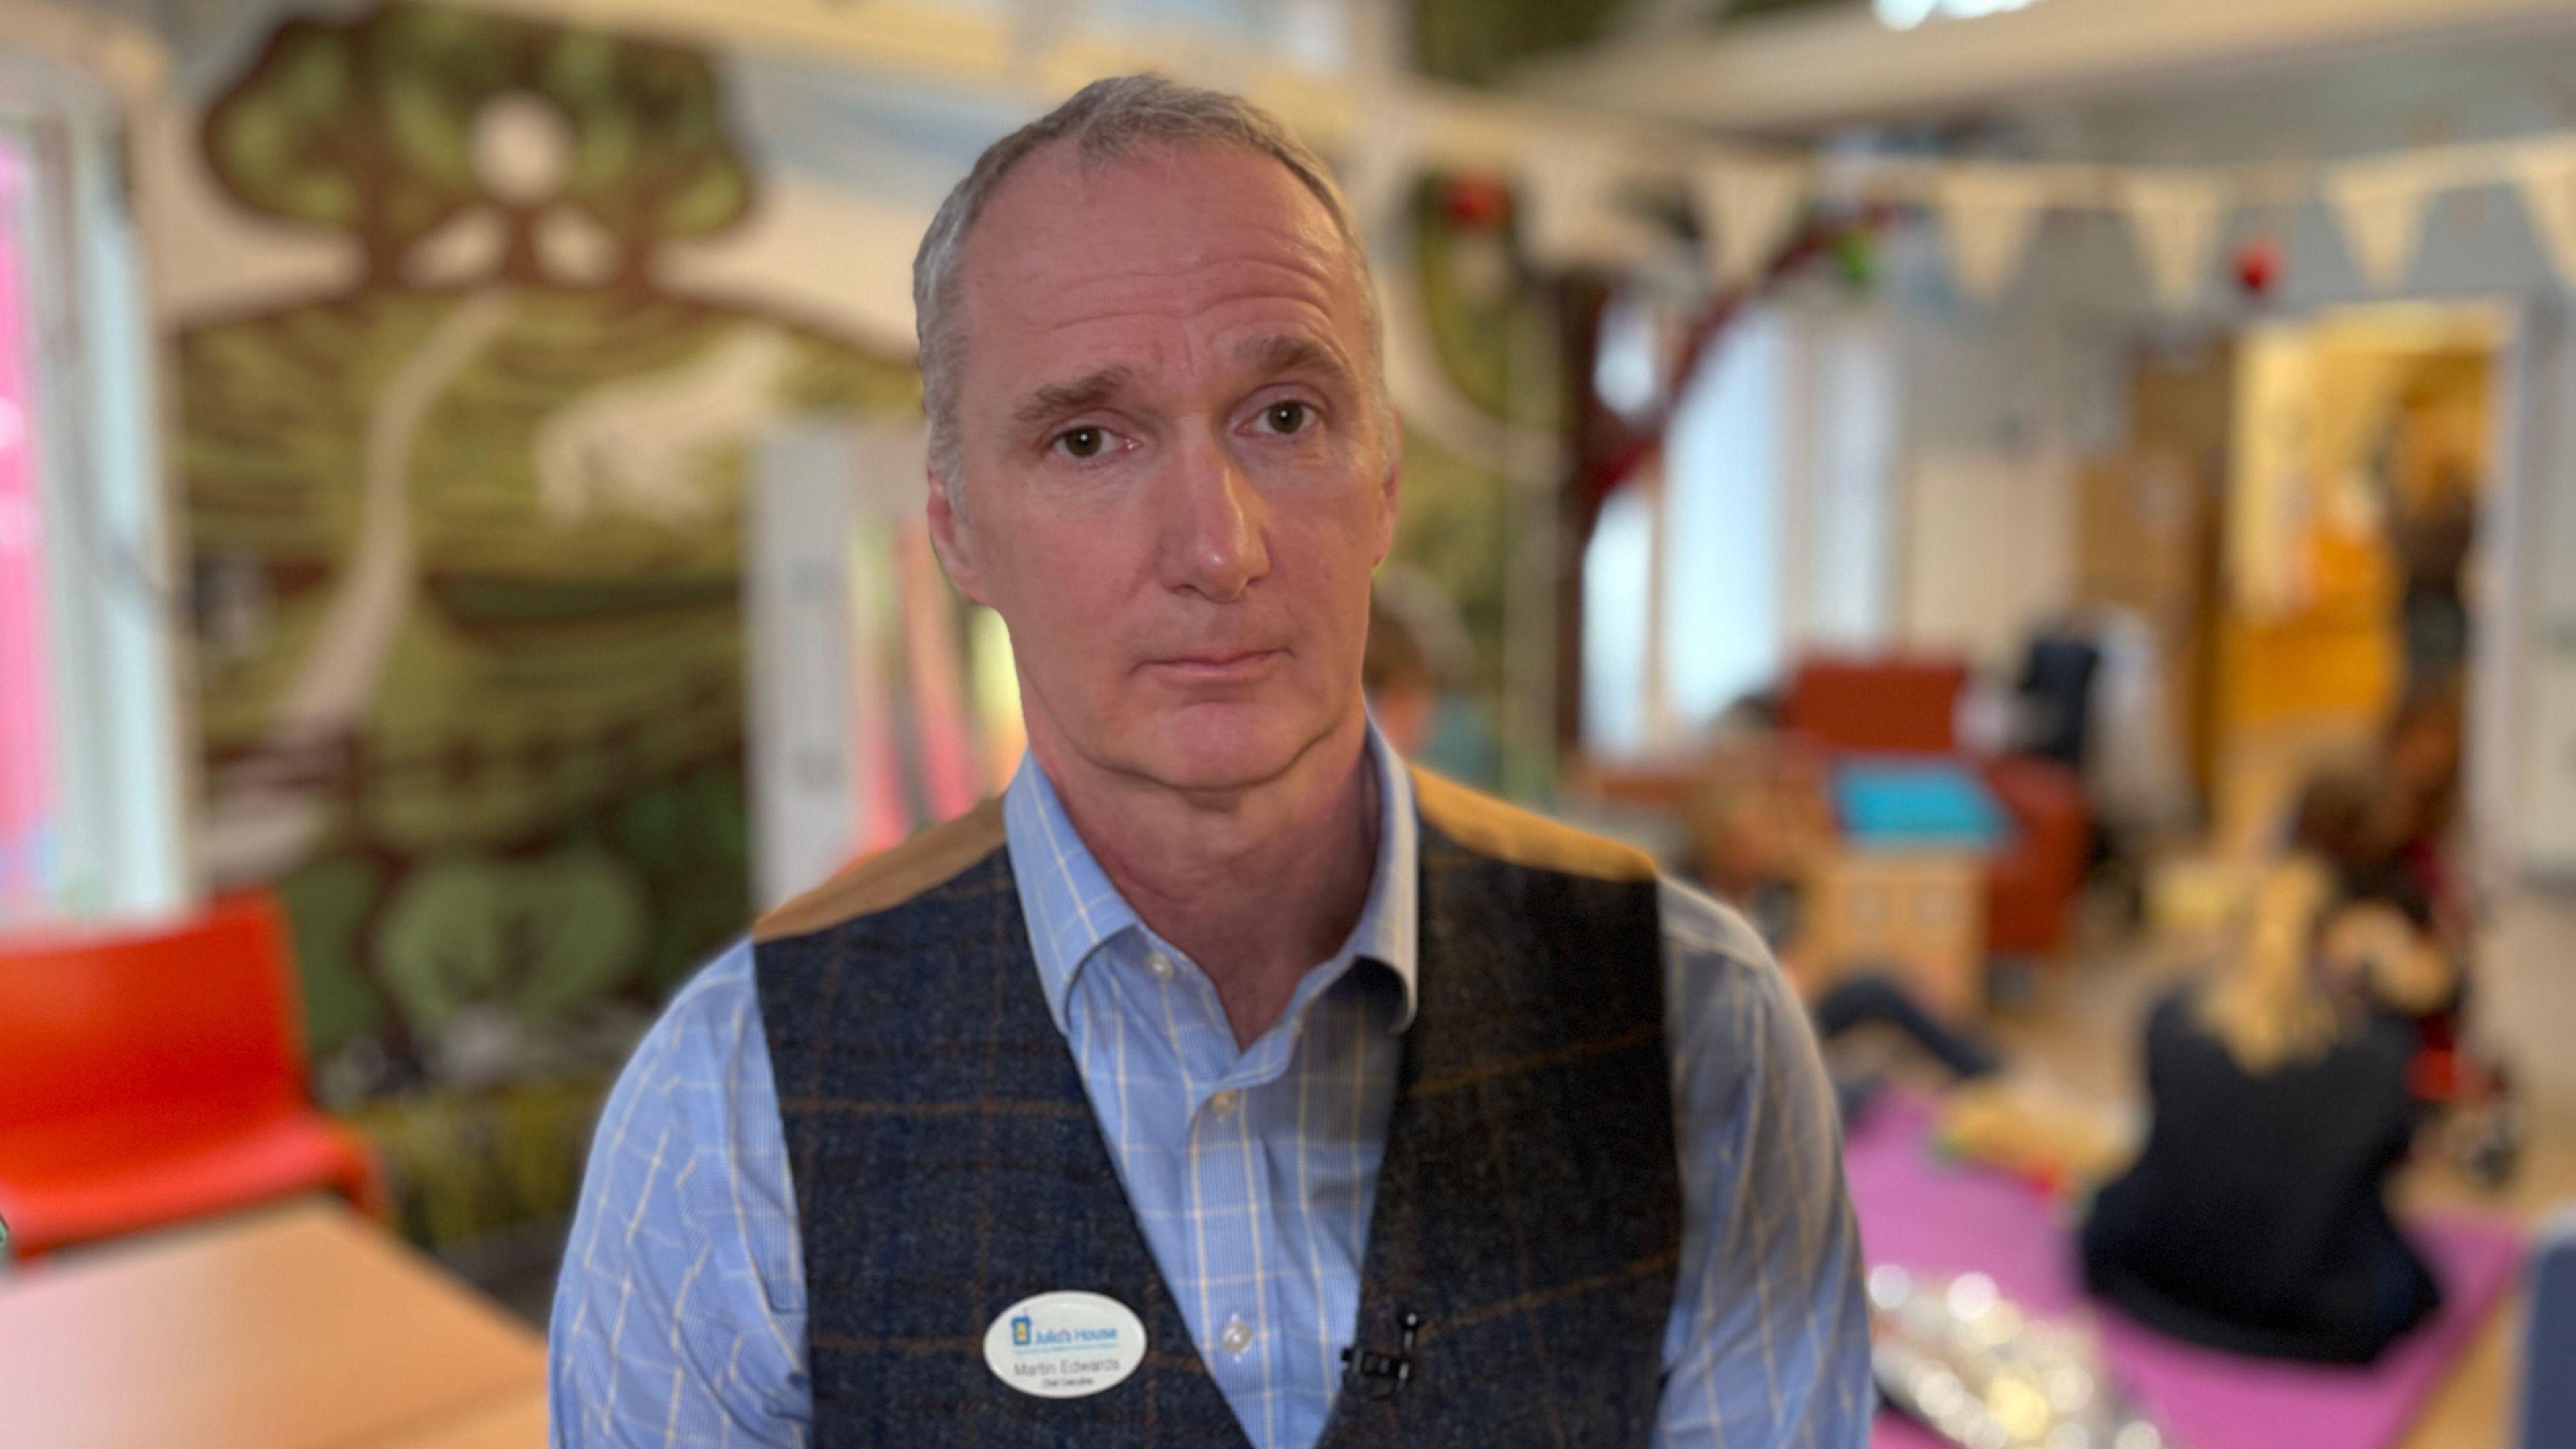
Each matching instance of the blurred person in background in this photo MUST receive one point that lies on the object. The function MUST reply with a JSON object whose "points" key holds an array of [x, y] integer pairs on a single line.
{"points": [[2256, 1219], [2420, 762], [2429, 479], [1419, 673], [1403, 697], [1749, 845], [2387, 833], [1390, 1114]]}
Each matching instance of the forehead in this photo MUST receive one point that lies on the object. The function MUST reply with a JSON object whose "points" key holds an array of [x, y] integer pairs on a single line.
{"points": [[1169, 246]]}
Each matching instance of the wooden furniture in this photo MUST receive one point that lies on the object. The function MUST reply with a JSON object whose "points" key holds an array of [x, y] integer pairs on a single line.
{"points": [[517, 1423], [296, 1327], [1916, 916], [1908, 706]]}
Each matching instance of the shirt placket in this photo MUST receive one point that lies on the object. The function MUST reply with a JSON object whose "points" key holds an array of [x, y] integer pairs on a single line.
{"points": [[1234, 1231], [1239, 1338]]}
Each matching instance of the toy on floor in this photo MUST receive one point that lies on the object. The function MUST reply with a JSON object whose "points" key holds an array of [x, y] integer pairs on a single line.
{"points": [[1934, 1220], [1973, 1366], [2062, 1146]]}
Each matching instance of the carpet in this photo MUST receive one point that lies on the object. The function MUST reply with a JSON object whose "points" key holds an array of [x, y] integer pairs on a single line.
{"points": [[1922, 1214]]}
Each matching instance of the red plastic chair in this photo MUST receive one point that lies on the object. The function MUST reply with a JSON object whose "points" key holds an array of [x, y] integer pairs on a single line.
{"points": [[149, 1078]]}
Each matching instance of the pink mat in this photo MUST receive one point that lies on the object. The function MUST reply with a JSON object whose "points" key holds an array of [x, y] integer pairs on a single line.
{"points": [[1920, 1214]]}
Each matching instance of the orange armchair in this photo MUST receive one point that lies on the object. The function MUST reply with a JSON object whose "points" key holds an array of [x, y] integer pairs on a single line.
{"points": [[151, 1077], [1909, 705], [2032, 882]]}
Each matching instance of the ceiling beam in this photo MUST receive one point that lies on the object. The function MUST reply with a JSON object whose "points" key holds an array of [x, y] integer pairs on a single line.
{"points": [[1801, 72]]}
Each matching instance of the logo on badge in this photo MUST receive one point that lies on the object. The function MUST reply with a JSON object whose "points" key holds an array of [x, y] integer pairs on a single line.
{"points": [[1020, 1331]]}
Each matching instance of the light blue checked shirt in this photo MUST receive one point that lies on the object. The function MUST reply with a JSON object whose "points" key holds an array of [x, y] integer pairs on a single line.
{"points": [[680, 1317]]}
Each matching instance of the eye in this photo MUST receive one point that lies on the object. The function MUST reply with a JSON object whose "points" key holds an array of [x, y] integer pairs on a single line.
{"points": [[1287, 417], [1083, 442]]}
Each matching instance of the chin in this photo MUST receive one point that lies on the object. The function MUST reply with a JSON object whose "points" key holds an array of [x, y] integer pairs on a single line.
{"points": [[1226, 747]]}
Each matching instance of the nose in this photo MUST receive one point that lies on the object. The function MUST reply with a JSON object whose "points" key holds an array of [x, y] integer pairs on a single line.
{"points": [[1215, 526]]}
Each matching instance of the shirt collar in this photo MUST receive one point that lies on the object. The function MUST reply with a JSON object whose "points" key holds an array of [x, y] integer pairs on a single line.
{"points": [[1073, 910]]}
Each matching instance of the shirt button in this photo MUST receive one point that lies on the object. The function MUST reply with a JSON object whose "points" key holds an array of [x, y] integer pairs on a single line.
{"points": [[1223, 1103], [1160, 965], [1236, 1338]]}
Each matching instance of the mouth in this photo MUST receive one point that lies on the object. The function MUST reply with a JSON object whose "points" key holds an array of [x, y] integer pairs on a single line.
{"points": [[1217, 666]]}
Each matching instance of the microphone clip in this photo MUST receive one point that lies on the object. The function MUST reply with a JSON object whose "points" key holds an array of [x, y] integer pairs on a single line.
{"points": [[1376, 1375]]}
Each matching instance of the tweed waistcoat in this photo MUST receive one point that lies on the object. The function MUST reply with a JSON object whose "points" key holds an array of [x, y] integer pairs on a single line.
{"points": [[947, 1162]]}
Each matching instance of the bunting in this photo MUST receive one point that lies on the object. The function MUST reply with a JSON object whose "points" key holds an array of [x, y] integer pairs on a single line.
{"points": [[2546, 177], [1745, 207], [1988, 213], [2380, 205], [2175, 217]]}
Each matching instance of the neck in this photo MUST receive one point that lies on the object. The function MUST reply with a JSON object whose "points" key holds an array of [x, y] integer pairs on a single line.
{"points": [[1256, 885]]}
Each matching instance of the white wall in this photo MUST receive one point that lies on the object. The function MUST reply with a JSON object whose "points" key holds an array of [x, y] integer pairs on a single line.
{"points": [[1988, 551], [2522, 762], [2000, 403], [1843, 583]]}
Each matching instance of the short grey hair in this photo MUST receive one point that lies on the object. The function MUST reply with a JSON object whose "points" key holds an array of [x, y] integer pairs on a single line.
{"points": [[1106, 120]]}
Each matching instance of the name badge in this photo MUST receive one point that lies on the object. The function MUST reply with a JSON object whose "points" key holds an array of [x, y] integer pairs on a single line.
{"points": [[1065, 1345]]}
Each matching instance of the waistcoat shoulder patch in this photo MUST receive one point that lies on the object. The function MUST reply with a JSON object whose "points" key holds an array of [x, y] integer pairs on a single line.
{"points": [[889, 878], [1517, 837]]}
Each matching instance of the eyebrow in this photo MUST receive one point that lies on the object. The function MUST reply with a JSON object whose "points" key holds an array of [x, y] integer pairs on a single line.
{"points": [[1284, 352], [1278, 353], [1058, 398]]}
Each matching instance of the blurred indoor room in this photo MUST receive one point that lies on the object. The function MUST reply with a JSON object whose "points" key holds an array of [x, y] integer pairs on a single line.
{"points": [[2061, 513]]}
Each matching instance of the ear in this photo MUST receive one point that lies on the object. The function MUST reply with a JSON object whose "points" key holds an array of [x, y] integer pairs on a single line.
{"points": [[1390, 486], [952, 538]]}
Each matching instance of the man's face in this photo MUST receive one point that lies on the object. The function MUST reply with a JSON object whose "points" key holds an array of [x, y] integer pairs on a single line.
{"points": [[1175, 479]]}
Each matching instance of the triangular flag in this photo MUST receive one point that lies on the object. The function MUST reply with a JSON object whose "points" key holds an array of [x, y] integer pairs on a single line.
{"points": [[1567, 192], [1746, 207], [2547, 176], [2174, 216], [2381, 206], [1987, 213], [1573, 215]]}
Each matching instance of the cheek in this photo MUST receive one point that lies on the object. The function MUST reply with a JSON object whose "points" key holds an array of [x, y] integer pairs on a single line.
{"points": [[1330, 563], [1062, 585], [1347, 520], [1070, 595]]}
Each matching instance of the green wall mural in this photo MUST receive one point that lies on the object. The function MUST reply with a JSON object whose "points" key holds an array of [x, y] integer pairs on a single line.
{"points": [[468, 544], [468, 529]]}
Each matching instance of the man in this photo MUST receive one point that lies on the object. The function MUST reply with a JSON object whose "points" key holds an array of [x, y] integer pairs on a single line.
{"points": [[1223, 1083]]}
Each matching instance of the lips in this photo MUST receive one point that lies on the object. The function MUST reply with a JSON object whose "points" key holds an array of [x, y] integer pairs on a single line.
{"points": [[1218, 665]]}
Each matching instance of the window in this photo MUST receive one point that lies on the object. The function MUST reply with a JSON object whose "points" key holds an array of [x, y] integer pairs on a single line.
{"points": [[91, 824], [1765, 530]]}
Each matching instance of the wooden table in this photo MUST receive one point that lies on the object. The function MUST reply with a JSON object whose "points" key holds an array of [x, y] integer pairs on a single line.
{"points": [[516, 1423], [299, 1327]]}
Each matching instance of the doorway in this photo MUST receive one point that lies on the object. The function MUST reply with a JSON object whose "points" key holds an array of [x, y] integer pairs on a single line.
{"points": [[2362, 458]]}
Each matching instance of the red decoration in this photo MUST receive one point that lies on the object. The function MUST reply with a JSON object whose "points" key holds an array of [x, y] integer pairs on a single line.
{"points": [[2258, 266], [1476, 202]]}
